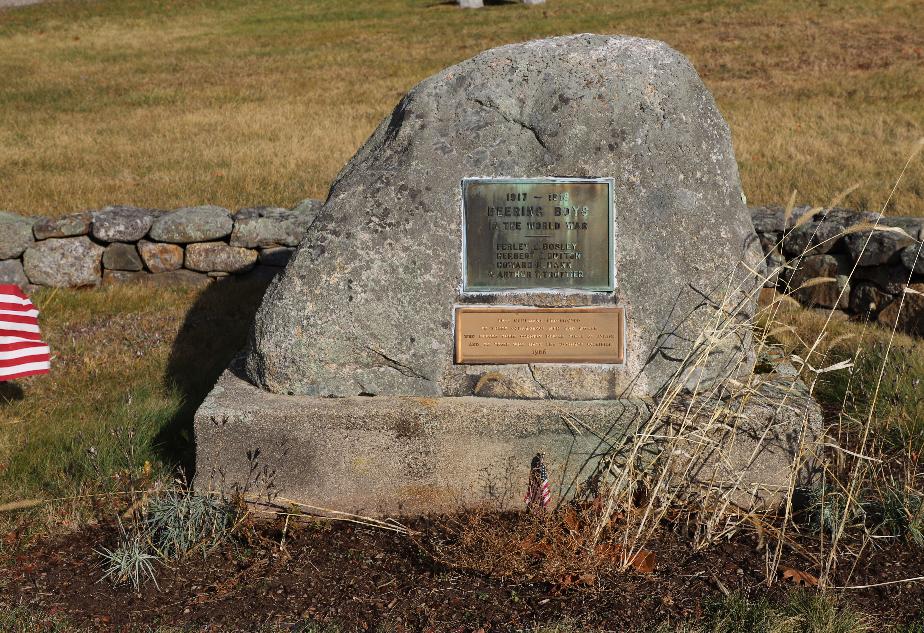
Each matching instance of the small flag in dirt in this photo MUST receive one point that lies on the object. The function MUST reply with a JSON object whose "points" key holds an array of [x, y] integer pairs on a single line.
{"points": [[22, 352], [538, 493]]}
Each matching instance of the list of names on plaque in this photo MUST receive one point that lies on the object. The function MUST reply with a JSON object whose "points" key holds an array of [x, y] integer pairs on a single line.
{"points": [[539, 335], [538, 234]]}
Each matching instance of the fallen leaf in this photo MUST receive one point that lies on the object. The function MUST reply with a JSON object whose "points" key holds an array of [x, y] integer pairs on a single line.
{"points": [[588, 579], [644, 561], [571, 520], [801, 578]]}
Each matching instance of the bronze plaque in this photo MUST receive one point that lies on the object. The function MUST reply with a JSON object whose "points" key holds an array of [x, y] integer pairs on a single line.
{"points": [[495, 335], [537, 234]]}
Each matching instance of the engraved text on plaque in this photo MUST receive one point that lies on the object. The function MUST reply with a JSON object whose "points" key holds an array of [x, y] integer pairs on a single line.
{"points": [[488, 335], [538, 234]]}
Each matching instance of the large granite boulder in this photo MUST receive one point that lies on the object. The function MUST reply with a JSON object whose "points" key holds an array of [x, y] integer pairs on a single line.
{"points": [[123, 223], [72, 225], [15, 234], [70, 262], [366, 304], [263, 227], [192, 224]]}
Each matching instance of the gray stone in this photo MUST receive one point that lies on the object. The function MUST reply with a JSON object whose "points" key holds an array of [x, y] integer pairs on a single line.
{"points": [[174, 278], [11, 272], [15, 234], [889, 279], [263, 227], [774, 267], [912, 226], [278, 256], [120, 256], [73, 225], [366, 304], [118, 277], [767, 220], [913, 258], [159, 257], [408, 455], [533, 2], [471, 4], [906, 316], [192, 224], [874, 248], [69, 262], [308, 206], [825, 233], [867, 299], [821, 281], [218, 257], [122, 223]]}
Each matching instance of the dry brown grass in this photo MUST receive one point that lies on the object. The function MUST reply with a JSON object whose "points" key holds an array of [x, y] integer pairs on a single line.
{"points": [[166, 103]]}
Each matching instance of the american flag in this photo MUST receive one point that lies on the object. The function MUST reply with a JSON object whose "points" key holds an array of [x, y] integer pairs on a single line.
{"points": [[538, 494], [22, 352]]}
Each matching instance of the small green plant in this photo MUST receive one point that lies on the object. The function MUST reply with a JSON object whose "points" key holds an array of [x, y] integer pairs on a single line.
{"points": [[828, 509], [179, 522], [803, 612], [130, 561], [813, 613], [903, 513], [737, 614]]}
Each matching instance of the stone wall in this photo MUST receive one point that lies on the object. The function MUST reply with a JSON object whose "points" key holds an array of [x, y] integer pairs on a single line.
{"points": [[813, 262], [836, 259], [120, 244]]}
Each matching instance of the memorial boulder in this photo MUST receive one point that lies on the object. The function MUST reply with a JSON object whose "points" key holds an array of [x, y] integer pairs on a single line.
{"points": [[548, 230]]}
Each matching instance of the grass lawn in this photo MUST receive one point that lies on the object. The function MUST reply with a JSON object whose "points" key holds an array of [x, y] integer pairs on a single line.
{"points": [[237, 102]]}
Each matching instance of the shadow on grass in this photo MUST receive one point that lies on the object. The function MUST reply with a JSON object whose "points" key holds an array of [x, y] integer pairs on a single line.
{"points": [[214, 331], [9, 392]]}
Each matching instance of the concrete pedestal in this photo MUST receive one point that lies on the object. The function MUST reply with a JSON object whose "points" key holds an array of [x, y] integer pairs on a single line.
{"points": [[412, 455]]}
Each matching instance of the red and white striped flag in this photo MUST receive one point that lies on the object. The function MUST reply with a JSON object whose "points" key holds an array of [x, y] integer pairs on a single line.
{"points": [[22, 352]]}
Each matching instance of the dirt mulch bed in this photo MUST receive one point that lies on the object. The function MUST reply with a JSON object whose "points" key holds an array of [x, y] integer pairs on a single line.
{"points": [[360, 578]]}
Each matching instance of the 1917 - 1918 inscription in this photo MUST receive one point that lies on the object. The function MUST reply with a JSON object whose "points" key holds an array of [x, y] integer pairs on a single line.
{"points": [[538, 233]]}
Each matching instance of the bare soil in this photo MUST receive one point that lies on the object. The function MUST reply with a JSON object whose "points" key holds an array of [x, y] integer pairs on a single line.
{"points": [[360, 578]]}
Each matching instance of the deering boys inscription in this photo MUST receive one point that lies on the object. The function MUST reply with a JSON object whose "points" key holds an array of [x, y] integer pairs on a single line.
{"points": [[538, 233]]}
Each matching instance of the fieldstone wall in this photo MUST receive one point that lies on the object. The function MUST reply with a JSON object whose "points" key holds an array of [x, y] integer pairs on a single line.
{"points": [[119, 244], [861, 263], [832, 260]]}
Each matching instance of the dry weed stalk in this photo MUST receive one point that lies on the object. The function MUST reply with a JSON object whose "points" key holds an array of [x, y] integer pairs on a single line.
{"points": [[688, 422]]}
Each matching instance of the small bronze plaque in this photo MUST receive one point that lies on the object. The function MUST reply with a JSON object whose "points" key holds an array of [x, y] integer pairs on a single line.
{"points": [[492, 335], [538, 234]]}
